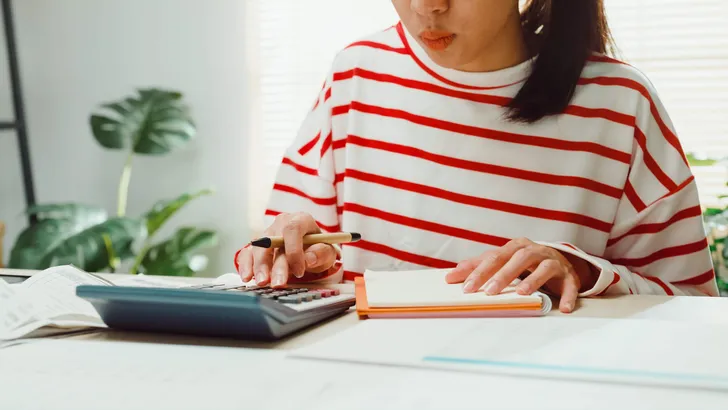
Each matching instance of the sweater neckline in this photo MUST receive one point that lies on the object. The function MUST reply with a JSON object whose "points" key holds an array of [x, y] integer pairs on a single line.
{"points": [[463, 79]]}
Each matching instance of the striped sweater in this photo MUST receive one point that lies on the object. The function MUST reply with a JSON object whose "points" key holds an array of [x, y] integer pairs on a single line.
{"points": [[420, 161]]}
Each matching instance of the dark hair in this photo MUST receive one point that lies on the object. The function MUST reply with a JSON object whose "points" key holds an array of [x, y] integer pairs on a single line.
{"points": [[564, 34]]}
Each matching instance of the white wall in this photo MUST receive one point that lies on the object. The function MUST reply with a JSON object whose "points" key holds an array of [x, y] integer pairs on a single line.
{"points": [[75, 54]]}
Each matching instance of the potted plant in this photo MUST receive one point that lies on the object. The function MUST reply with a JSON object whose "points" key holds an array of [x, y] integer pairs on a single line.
{"points": [[152, 122]]}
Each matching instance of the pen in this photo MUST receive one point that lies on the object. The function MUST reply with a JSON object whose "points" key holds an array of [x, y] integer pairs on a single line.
{"points": [[330, 238]]}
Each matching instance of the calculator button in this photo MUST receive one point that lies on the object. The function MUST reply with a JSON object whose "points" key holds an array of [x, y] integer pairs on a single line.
{"points": [[335, 292], [315, 294], [290, 299], [306, 297]]}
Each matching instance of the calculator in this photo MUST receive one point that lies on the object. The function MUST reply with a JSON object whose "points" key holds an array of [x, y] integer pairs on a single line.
{"points": [[221, 310]]}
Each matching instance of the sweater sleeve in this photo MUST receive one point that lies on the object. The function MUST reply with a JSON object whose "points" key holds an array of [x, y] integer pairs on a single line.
{"points": [[657, 244], [306, 178]]}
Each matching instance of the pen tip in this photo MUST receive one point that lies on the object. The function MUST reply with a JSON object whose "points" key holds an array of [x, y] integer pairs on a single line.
{"points": [[355, 236], [262, 243]]}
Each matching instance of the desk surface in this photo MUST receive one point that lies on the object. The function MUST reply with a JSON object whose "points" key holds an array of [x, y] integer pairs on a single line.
{"points": [[617, 307], [180, 372]]}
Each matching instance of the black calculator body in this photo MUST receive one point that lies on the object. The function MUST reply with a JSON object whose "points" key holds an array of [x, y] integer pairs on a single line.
{"points": [[240, 312]]}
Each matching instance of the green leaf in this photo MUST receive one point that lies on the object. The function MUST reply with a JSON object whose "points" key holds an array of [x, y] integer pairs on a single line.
{"points": [[700, 162], [87, 249], [712, 211], [165, 209], [155, 122], [56, 223], [176, 256]]}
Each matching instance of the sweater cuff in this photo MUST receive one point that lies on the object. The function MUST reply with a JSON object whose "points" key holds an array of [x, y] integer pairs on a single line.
{"points": [[607, 272]]}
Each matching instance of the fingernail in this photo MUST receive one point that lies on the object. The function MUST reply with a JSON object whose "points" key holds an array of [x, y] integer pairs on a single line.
{"points": [[277, 278], [570, 307], [311, 259], [260, 277], [523, 288], [469, 286], [491, 288]]}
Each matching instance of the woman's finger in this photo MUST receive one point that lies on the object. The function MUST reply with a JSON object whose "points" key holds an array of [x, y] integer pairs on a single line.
{"points": [[319, 257], [522, 260], [462, 270], [245, 264], [569, 293], [279, 271], [262, 263], [293, 232], [492, 262], [545, 271]]}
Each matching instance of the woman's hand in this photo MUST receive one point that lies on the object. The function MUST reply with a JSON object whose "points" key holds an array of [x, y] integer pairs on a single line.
{"points": [[560, 274], [275, 265]]}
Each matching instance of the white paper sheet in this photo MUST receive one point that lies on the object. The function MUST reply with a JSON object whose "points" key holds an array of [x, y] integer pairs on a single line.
{"points": [[647, 352], [82, 375], [48, 300], [428, 288]]}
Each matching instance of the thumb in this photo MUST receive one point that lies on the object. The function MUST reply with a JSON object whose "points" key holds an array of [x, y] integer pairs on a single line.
{"points": [[320, 257]]}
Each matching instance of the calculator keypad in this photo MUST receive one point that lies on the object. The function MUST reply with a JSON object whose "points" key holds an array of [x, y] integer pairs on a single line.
{"points": [[288, 295]]}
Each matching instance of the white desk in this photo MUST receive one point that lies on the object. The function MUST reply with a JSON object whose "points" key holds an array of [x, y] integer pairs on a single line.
{"points": [[104, 371]]}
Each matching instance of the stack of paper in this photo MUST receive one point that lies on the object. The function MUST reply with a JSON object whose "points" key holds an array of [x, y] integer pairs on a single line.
{"points": [[424, 293], [46, 303]]}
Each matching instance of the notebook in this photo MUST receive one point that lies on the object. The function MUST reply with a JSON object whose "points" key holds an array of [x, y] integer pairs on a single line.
{"points": [[425, 294]]}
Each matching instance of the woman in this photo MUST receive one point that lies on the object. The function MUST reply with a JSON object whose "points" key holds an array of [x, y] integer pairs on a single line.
{"points": [[500, 143]]}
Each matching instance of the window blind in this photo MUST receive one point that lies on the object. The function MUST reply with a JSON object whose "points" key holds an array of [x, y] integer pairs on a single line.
{"points": [[291, 45], [681, 45]]}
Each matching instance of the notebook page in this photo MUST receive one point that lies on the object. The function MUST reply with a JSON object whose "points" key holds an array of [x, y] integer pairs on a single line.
{"points": [[428, 288], [48, 299]]}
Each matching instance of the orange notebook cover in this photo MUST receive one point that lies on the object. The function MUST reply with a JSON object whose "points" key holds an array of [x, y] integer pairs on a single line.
{"points": [[512, 307]]}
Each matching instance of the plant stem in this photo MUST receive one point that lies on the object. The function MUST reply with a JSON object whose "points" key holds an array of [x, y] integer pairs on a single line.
{"points": [[140, 256], [124, 186]]}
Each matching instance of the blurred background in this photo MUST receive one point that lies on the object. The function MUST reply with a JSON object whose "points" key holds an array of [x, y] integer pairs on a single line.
{"points": [[246, 71]]}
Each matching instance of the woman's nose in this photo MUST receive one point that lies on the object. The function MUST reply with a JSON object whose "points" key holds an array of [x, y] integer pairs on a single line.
{"points": [[429, 7]]}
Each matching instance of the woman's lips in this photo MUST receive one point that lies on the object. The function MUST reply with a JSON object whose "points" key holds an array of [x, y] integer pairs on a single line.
{"points": [[437, 40]]}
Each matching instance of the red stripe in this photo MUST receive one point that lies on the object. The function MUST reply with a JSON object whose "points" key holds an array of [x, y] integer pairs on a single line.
{"points": [[488, 168], [403, 255], [309, 171], [659, 227], [652, 165], [315, 105], [633, 198], [482, 202], [701, 279], [339, 144], [329, 228], [604, 59], [660, 283], [326, 145], [309, 145], [350, 276], [665, 253], [299, 167], [574, 110], [339, 110], [294, 191], [327, 95], [580, 146], [429, 71], [426, 225], [379, 46], [615, 280], [634, 85]]}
